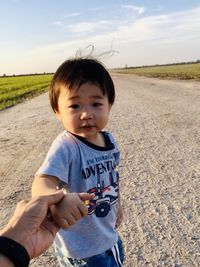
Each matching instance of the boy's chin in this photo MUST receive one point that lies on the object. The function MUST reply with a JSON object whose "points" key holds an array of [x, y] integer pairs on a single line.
{"points": [[83, 135], [88, 136]]}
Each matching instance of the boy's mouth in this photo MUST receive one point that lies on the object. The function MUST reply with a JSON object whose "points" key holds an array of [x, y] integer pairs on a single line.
{"points": [[85, 125]]}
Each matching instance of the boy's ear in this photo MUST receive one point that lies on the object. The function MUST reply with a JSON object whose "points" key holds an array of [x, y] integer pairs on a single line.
{"points": [[109, 107], [58, 115]]}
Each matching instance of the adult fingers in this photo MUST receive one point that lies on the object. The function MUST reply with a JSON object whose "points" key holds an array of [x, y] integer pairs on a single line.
{"points": [[53, 198]]}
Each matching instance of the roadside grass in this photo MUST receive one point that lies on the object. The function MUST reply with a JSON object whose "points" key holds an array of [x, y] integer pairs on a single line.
{"points": [[178, 71], [14, 90]]}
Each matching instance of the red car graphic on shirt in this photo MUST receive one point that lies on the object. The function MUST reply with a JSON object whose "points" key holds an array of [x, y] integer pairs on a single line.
{"points": [[104, 197]]}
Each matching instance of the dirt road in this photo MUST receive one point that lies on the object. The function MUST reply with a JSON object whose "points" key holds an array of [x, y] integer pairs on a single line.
{"points": [[157, 126]]}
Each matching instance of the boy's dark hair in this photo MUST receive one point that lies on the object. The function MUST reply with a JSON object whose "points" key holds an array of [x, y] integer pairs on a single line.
{"points": [[76, 72]]}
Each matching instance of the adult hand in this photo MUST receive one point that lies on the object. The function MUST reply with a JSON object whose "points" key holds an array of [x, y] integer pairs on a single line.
{"points": [[30, 225]]}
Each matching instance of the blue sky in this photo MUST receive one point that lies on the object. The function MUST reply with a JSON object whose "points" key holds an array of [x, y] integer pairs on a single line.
{"points": [[38, 35]]}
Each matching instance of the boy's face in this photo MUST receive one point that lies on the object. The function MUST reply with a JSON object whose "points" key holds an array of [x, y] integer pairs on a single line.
{"points": [[83, 111]]}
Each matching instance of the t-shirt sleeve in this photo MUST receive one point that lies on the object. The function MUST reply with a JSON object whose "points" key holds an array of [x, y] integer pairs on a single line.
{"points": [[57, 161], [117, 154]]}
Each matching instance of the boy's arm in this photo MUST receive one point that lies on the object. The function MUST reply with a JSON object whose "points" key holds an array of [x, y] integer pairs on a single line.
{"points": [[119, 213], [119, 216], [44, 185]]}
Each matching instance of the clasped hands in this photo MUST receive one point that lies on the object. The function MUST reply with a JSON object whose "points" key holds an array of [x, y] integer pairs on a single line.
{"points": [[31, 226], [71, 209]]}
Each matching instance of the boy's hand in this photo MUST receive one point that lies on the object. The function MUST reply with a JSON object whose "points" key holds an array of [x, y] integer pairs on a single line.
{"points": [[71, 209], [119, 217]]}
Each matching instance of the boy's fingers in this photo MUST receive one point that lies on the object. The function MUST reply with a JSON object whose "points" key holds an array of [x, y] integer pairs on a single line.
{"points": [[86, 196], [83, 210]]}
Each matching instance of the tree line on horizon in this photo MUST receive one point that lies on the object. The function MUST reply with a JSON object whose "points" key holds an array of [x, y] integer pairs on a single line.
{"points": [[26, 74], [126, 67], [163, 65]]}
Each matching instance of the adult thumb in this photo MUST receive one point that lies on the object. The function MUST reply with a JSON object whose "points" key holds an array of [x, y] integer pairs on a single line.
{"points": [[86, 196]]}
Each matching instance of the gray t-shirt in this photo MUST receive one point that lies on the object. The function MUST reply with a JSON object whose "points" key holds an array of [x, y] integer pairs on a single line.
{"points": [[85, 167]]}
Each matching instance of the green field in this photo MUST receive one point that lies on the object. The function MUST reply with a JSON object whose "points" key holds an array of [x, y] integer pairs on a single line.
{"points": [[181, 71], [16, 89]]}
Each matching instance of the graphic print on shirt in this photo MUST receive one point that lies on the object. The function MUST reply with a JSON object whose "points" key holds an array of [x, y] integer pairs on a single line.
{"points": [[104, 197], [102, 172]]}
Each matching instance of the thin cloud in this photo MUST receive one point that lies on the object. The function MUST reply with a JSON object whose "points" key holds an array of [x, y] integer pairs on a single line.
{"points": [[91, 27], [58, 23], [86, 27], [97, 8], [70, 15], [138, 9], [150, 39], [159, 27], [164, 27]]}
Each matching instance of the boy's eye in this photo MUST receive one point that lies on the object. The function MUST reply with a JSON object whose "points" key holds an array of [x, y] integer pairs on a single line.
{"points": [[97, 104], [74, 106]]}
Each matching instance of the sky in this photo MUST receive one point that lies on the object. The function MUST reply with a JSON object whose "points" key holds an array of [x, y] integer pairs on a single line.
{"points": [[38, 35]]}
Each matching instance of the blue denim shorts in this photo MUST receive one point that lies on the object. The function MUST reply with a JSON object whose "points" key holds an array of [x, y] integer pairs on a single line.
{"points": [[110, 258]]}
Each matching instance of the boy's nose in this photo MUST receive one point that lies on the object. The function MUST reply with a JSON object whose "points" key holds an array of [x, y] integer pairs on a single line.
{"points": [[86, 115]]}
